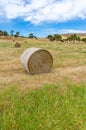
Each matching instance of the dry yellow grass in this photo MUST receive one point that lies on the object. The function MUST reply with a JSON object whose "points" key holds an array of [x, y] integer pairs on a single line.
{"points": [[69, 64]]}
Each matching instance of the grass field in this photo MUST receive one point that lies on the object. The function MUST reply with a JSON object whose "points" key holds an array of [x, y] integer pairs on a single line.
{"points": [[52, 101]]}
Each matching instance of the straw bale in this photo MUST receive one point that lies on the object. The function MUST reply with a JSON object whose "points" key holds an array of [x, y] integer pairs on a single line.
{"points": [[36, 61]]}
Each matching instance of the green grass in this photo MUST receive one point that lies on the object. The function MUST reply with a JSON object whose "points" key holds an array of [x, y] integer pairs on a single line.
{"points": [[6, 45], [48, 108], [53, 101]]}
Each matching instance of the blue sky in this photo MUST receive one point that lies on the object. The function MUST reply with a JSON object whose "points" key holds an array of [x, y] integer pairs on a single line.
{"points": [[43, 17]]}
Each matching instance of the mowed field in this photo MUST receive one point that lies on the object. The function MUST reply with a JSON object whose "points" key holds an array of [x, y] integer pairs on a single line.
{"points": [[52, 101]]}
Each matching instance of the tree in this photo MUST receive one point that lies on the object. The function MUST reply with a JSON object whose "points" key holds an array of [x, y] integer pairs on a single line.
{"points": [[17, 34], [73, 37], [5, 33], [1, 33], [51, 38], [58, 37], [12, 32], [31, 35], [78, 38], [84, 39]]}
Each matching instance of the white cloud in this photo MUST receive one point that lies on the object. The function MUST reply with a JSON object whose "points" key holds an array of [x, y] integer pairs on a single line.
{"points": [[47, 31], [43, 10], [72, 31]]}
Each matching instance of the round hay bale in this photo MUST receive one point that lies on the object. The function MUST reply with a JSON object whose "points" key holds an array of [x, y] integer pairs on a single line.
{"points": [[36, 60]]}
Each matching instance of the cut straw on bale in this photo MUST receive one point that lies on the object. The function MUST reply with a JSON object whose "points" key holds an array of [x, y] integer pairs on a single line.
{"points": [[36, 61]]}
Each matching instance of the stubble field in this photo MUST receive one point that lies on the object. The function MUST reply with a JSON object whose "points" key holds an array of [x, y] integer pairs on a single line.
{"points": [[52, 101]]}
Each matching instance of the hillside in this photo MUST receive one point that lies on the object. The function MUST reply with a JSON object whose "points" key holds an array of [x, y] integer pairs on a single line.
{"points": [[82, 35]]}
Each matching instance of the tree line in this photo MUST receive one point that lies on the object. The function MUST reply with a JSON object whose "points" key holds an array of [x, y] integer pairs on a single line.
{"points": [[73, 37], [16, 34], [5, 33], [56, 37]]}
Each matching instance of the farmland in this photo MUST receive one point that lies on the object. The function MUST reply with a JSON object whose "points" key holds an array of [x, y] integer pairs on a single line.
{"points": [[52, 101]]}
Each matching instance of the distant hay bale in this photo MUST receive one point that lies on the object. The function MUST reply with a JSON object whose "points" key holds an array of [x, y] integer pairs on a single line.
{"points": [[25, 42], [36, 61], [16, 44]]}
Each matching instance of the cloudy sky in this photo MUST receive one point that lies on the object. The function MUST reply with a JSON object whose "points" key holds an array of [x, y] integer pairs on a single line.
{"points": [[43, 17]]}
